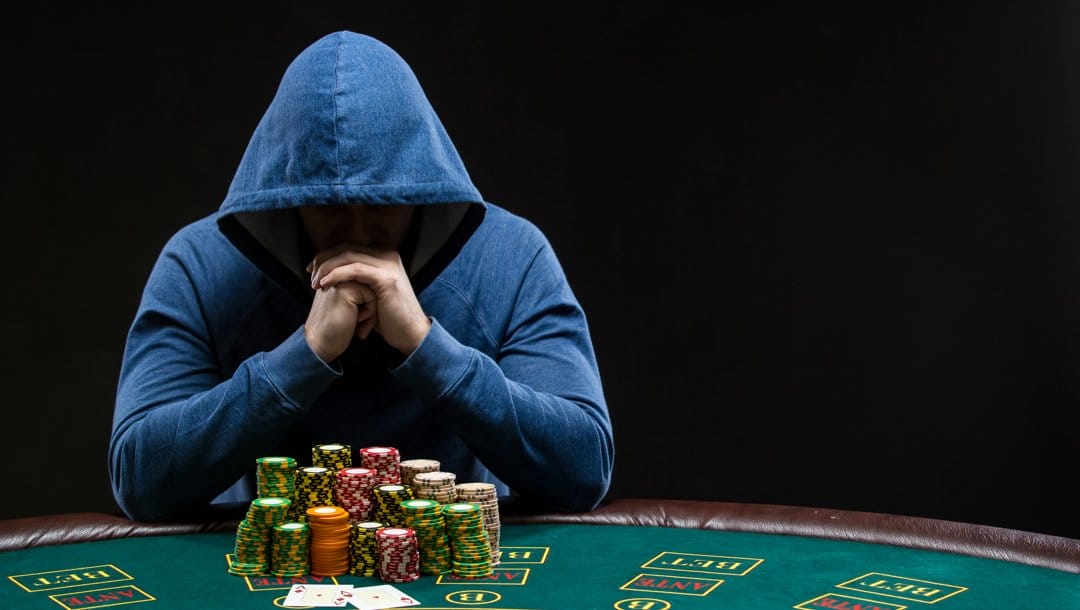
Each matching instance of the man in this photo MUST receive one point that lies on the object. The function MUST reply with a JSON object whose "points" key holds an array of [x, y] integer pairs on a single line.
{"points": [[354, 287]]}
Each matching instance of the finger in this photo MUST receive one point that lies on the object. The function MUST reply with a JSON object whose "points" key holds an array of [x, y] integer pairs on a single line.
{"points": [[360, 273], [344, 255], [355, 294], [345, 258], [358, 294]]}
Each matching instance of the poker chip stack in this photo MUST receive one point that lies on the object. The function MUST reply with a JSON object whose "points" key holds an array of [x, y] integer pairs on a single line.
{"points": [[250, 556], [364, 548], [329, 544], [411, 468], [388, 499], [385, 461], [289, 555], [484, 494], [399, 556], [314, 487], [469, 547], [426, 519], [353, 492], [275, 477], [254, 536], [333, 456], [437, 485]]}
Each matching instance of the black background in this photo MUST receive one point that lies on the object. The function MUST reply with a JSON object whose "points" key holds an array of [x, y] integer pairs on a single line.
{"points": [[828, 250]]}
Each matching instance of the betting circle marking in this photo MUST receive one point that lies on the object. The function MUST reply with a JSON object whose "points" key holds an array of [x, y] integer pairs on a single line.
{"points": [[280, 603], [469, 596], [642, 603]]}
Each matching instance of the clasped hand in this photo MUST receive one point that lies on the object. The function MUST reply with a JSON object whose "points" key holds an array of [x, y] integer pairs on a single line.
{"points": [[360, 289]]}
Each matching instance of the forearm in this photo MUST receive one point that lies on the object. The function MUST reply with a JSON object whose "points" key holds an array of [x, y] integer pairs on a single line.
{"points": [[555, 447], [546, 447], [176, 446]]}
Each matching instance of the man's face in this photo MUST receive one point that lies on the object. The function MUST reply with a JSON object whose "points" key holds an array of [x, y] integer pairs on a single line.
{"points": [[360, 224]]}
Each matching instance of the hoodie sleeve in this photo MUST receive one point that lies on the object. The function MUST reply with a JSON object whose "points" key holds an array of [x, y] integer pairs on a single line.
{"points": [[183, 432], [535, 415]]}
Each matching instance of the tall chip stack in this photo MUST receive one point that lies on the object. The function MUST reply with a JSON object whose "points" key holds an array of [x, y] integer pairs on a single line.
{"points": [[289, 554], [399, 554], [387, 506], [437, 485], [469, 548], [413, 467], [484, 494], [364, 548], [385, 461], [353, 492], [333, 456], [426, 519], [330, 535], [275, 477], [254, 536], [314, 487]]}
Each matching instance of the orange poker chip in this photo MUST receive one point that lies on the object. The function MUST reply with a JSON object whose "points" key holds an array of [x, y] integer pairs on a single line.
{"points": [[329, 544], [328, 527], [327, 513]]}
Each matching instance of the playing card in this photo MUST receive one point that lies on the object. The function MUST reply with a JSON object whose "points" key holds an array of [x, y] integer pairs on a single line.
{"points": [[381, 596], [320, 596]]}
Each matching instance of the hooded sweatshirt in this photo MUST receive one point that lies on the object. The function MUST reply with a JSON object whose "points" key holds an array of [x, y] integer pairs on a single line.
{"points": [[216, 371]]}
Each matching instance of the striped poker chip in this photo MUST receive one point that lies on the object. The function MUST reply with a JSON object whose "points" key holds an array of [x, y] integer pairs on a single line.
{"points": [[275, 476], [364, 548], [420, 506], [290, 551], [268, 512], [411, 468], [470, 548], [353, 491], [253, 544], [387, 503], [435, 485], [425, 518], [399, 556], [333, 456], [484, 494], [385, 461], [314, 487]]}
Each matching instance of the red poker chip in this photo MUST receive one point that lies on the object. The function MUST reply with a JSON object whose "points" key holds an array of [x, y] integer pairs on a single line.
{"points": [[396, 532]]}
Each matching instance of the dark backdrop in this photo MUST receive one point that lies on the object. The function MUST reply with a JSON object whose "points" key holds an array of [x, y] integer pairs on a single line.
{"points": [[828, 251]]}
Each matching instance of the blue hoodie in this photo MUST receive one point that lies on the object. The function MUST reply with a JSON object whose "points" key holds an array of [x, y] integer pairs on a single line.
{"points": [[216, 371]]}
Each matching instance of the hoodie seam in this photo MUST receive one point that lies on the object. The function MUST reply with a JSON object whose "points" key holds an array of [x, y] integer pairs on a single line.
{"points": [[337, 113], [343, 183], [472, 310]]}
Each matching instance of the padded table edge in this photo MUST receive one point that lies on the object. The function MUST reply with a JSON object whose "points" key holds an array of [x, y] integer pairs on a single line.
{"points": [[1041, 550]]}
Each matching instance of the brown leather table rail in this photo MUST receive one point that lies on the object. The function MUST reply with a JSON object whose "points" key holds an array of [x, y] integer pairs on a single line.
{"points": [[912, 532]]}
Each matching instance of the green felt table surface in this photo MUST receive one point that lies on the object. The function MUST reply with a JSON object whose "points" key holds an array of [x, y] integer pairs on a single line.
{"points": [[556, 566]]}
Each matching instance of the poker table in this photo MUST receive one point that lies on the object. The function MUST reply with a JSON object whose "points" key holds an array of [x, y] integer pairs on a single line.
{"points": [[629, 554]]}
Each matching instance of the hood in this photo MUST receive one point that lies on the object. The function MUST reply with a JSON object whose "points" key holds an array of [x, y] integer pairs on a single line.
{"points": [[349, 123]]}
